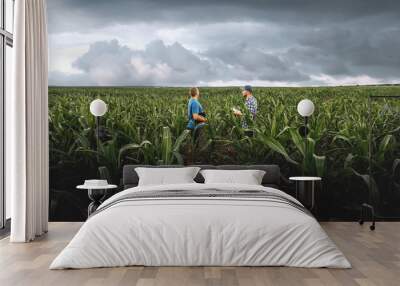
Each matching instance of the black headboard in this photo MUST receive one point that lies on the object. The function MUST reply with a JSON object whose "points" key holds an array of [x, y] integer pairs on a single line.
{"points": [[271, 178]]}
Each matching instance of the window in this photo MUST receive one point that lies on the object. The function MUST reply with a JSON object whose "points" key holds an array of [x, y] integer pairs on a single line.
{"points": [[9, 19], [6, 43]]}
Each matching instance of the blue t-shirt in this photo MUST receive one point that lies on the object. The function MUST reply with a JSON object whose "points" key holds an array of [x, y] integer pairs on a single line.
{"points": [[194, 107]]}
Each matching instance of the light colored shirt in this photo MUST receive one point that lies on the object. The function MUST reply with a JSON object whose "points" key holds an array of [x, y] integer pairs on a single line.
{"points": [[252, 106]]}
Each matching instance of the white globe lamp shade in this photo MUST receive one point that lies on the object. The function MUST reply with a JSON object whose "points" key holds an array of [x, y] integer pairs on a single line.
{"points": [[98, 107], [306, 108]]}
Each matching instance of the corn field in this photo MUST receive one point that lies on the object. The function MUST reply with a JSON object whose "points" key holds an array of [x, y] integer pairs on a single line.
{"points": [[147, 126]]}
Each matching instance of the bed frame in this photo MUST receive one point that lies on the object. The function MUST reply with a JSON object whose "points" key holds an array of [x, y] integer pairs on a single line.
{"points": [[272, 177]]}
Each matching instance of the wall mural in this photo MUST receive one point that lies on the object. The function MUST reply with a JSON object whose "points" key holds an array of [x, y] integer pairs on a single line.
{"points": [[148, 126], [100, 49]]}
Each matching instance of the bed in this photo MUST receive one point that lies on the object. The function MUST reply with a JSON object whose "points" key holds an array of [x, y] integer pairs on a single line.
{"points": [[197, 224]]}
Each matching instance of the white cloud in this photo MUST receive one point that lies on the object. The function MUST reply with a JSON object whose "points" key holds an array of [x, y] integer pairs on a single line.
{"points": [[221, 83], [110, 63], [349, 80], [145, 71]]}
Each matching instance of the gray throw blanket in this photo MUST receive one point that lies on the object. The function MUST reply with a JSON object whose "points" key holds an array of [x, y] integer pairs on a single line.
{"points": [[205, 194]]}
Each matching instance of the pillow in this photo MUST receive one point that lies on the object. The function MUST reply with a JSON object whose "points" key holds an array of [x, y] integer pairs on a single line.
{"points": [[166, 176], [248, 177]]}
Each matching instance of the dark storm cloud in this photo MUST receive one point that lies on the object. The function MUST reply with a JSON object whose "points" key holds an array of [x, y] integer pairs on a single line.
{"points": [[250, 63], [97, 13], [341, 51], [266, 40]]}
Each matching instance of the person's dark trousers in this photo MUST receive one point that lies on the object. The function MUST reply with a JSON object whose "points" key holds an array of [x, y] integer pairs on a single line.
{"points": [[200, 140], [249, 133]]}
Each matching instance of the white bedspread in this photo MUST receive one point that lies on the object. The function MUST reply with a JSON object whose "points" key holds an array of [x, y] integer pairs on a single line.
{"points": [[206, 231]]}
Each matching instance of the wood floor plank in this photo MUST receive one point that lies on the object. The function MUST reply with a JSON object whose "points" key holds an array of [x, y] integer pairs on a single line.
{"points": [[375, 257]]}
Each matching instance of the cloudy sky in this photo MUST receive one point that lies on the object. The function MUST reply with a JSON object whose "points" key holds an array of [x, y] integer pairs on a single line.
{"points": [[226, 42]]}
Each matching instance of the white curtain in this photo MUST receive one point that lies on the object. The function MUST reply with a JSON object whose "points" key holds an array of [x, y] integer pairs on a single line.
{"points": [[27, 124]]}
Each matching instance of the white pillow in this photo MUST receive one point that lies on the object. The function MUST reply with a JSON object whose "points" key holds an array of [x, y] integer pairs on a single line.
{"points": [[166, 176], [248, 177]]}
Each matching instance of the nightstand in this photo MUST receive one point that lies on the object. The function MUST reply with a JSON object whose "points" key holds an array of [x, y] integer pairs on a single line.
{"points": [[96, 195], [305, 190]]}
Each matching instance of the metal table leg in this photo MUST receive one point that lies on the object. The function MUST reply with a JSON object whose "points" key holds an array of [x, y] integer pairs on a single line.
{"points": [[96, 196]]}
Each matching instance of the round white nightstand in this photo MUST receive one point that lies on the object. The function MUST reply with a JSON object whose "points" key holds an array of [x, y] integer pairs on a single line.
{"points": [[305, 190], [96, 194]]}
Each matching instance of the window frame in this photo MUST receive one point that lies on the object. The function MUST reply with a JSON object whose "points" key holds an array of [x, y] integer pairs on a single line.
{"points": [[6, 39]]}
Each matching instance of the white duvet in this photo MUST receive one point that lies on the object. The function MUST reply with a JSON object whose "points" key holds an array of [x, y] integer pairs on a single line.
{"points": [[193, 231]]}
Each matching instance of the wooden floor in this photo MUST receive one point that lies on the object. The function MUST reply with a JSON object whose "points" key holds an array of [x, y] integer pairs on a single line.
{"points": [[375, 257]]}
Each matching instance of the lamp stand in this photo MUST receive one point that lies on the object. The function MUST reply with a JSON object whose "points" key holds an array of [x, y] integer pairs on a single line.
{"points": [[305, 143], [97, 138]]}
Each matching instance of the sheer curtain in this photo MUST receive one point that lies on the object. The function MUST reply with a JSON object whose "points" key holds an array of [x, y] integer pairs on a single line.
{"points": [[27, 124]]}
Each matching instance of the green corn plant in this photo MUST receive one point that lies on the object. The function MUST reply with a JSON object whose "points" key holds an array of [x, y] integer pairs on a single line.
{"points": [[340, 127], [312, 164], [133, 152], [277, 147], [170, 151], [369, 181]]}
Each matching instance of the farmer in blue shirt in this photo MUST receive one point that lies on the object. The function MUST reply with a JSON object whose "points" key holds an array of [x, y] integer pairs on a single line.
{"points": [[196, 115]]}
